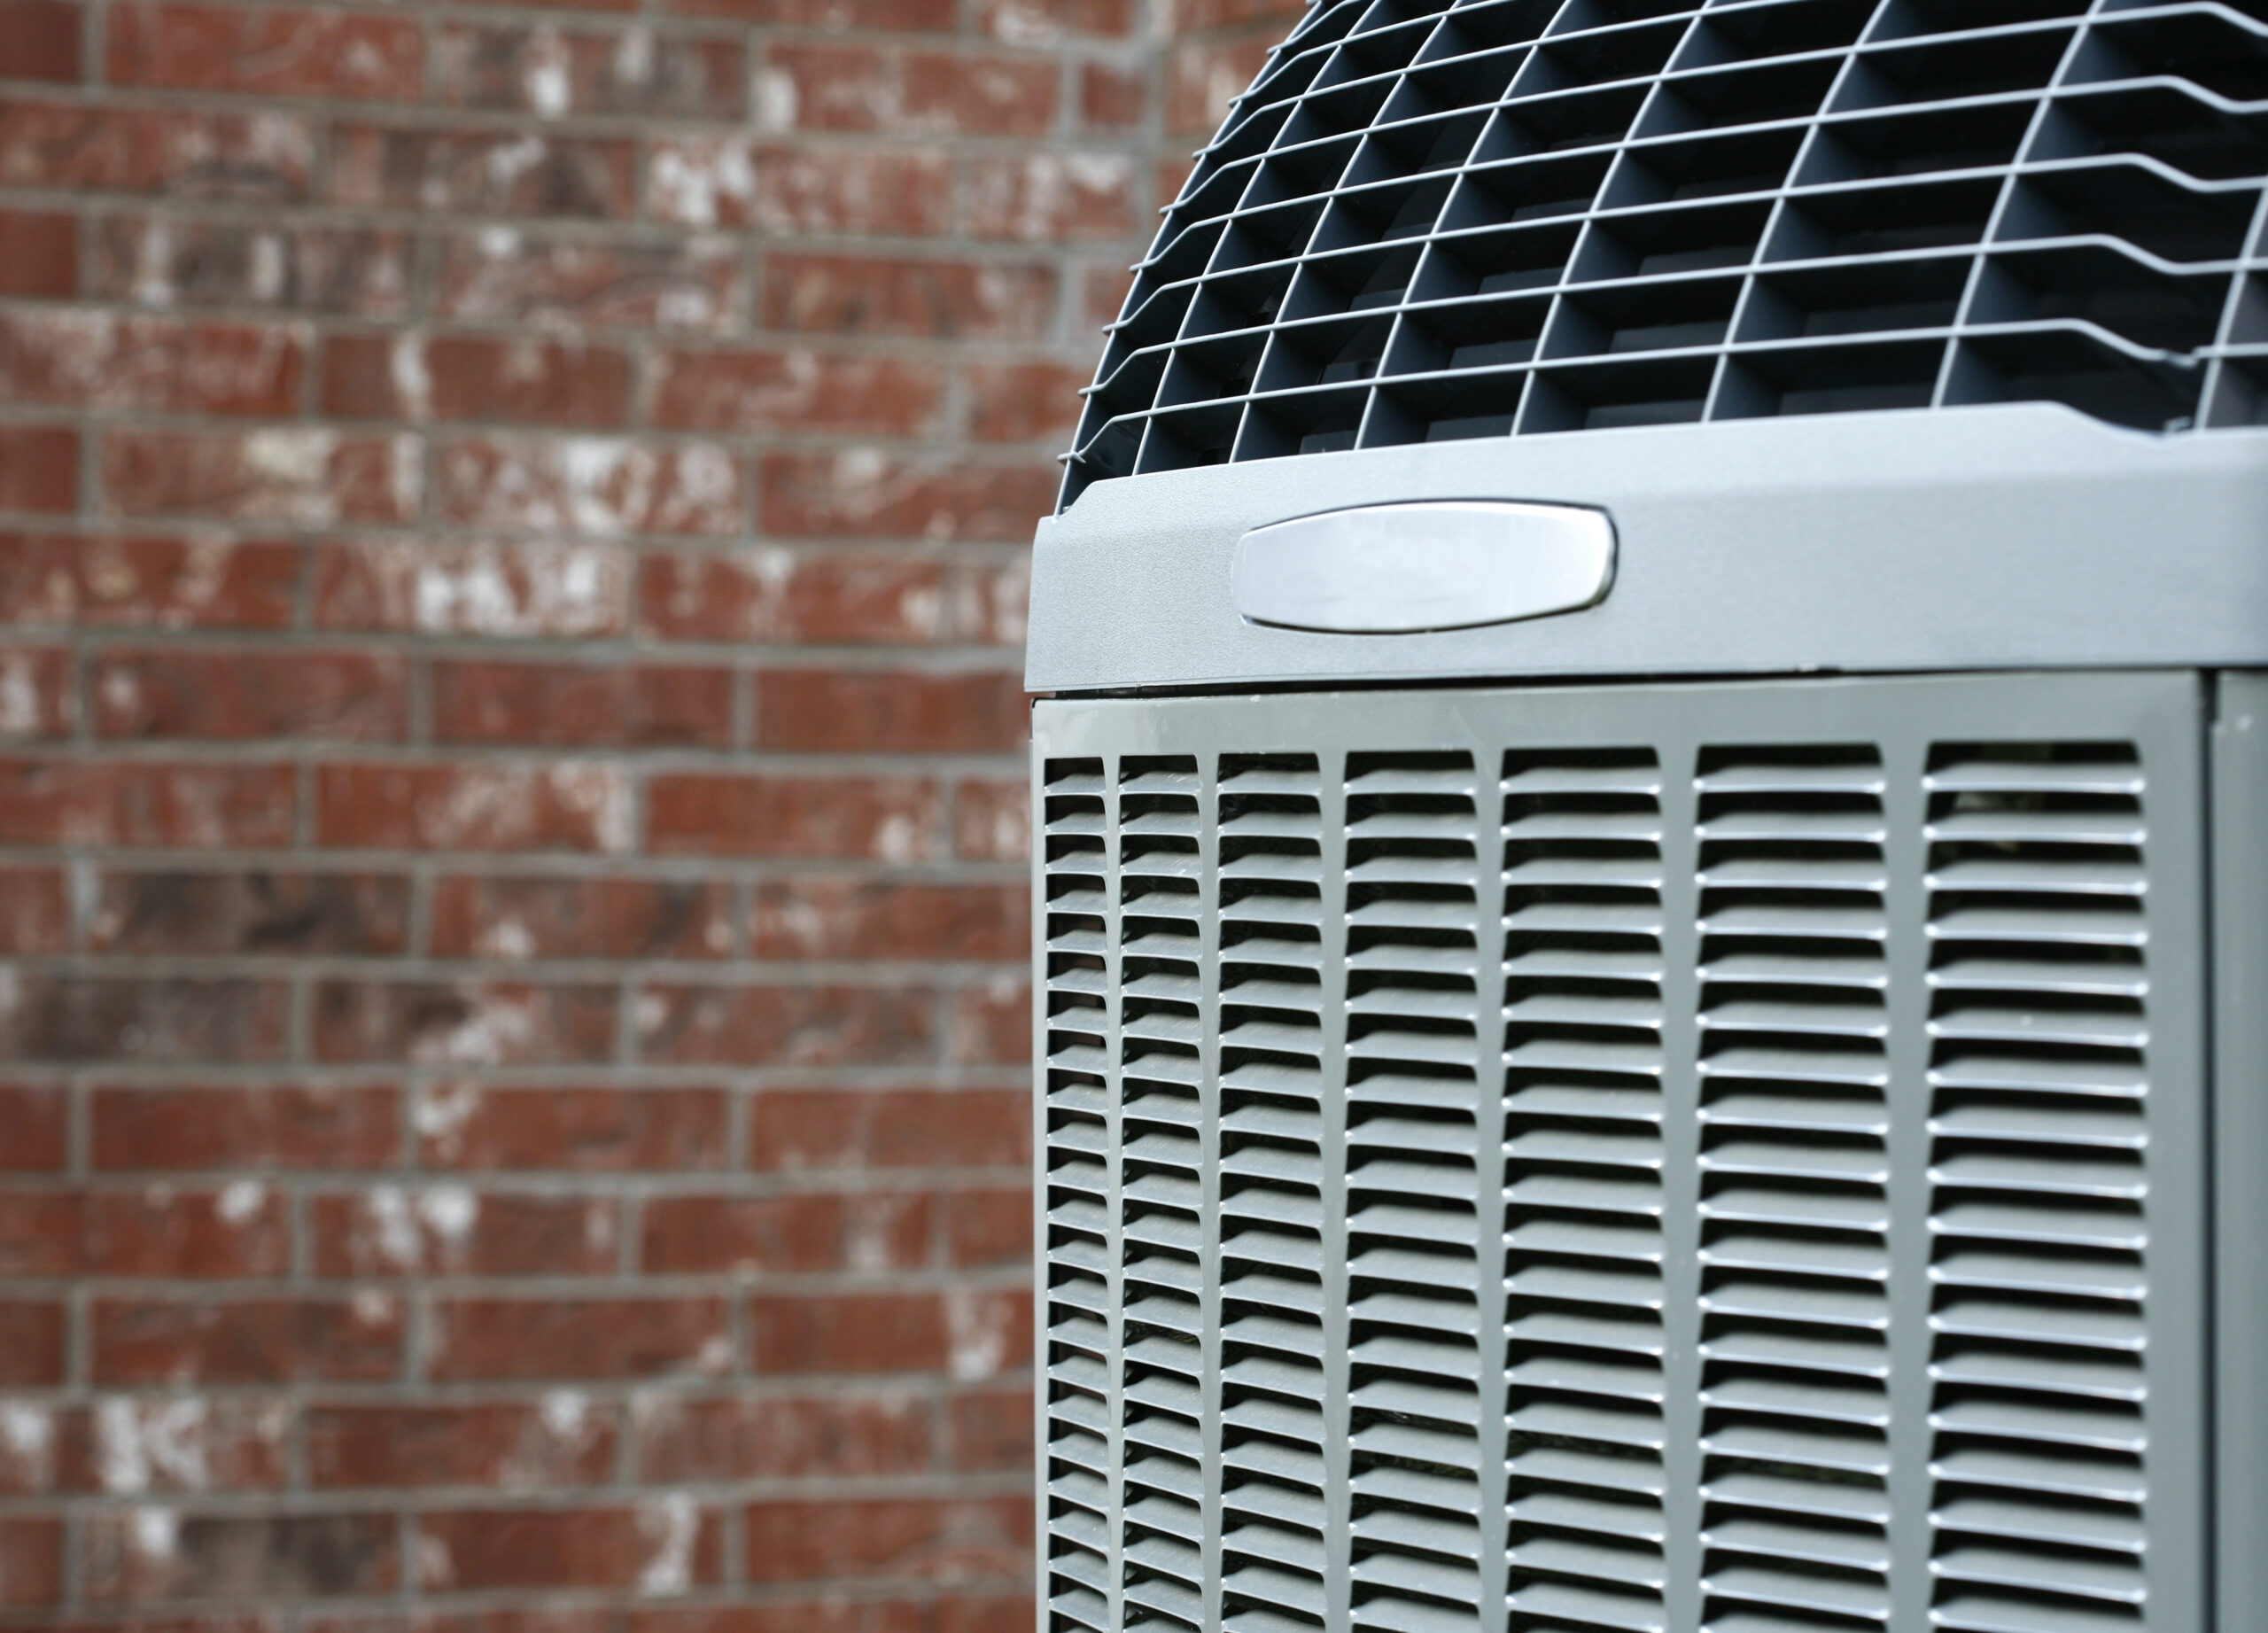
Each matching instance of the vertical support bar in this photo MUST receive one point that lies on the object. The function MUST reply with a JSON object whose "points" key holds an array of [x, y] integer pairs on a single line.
{"points": [[1114, 1112], [1337, 1585], [1906, 1098], [1488, 1177], [1039, 1269], [1681, 1187], [1208, 1178]]}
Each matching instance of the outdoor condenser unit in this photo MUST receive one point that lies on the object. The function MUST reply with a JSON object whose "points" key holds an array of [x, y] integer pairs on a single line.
{"points": [[1652, 837]]}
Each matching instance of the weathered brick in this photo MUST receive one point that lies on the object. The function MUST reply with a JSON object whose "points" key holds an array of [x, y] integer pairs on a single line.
{"points": [[276, 912], [796, 1234], [894, 818], [591, 487], [1112, 97], [262, 157], [39, 468], [991, 1024], [246, 1340], [31, 1545], [864, 711], [159, 1233], [773, 390], [754, 1023], [41, 1233], [832, 595], [664, 1546], [247, 1130], [579, 1129], [540, 69], [32, 1332], [644, 706], [1048, 22], [865, 493], [593, 1338], [153, 1556], [462, 1023], [978, 1611], [1024, 401], [1047, 198], [988, 1226], [992, 820], [767, 1437], [504, 275], [811, 86], [797, 1129], [852, 1332], [521, 916], [493, 589], [142, 1019], [830, 1613], [475, 379], [37, 692], [931, 1538], [34, 1127], [565, 1440], [990, 1429], [929, 16], [814, 293], [821, 918], [566, 805], [105, 580], [43, 258], [302, 475], [277, 51], [451, 1230], [202, 692], [124, 1446], [1204, 75], [729, 181], [39, 40], [140, 803], [480, 173], [166, 261]]}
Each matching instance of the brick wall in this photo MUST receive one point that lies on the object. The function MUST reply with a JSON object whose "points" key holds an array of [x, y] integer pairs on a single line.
{"points": [[511, 556]]}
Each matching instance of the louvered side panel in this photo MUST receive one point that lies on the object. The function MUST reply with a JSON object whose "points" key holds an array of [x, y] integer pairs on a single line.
{"points": [[1583, 1107], [1080, 1172], [1273, 1321], [2039, 1066], [1795, 1199], [1160, 1222], [1413, 904]]}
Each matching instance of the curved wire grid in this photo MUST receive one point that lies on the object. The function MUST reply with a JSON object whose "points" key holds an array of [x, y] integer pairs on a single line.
{"points": [[1428, 220]]}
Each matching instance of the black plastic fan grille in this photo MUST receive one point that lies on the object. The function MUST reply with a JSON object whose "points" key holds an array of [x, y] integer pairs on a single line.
{"points": [[1428, 220]]}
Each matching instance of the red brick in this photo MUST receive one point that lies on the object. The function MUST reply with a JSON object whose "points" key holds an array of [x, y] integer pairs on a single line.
{"points": [[798, 1233], [93, 360], [568, 706], [829, 595], [139, 1448], [41, 1233], [31, 1545], [982, 1612], [462, 1023], [266, 157], [591, 487], [579, 1129], [243, 1229], [170, 262], [772, 389], [1112, 98], [506, 276], [669, 1543], [862, 711], [700, 814], [819, 918], [501, 172], [847, 1332], [277, 51], [99, 581], [35, 692], [1103, 296], [201, 692], [517, 68], [564, 1442], [1024, 402], [296, 474], [944, 1539], [728, 182], [43, 256], [1203, 76], [140, 803], [168, 1020], [39, 40], [753, 1024], [246, 1130], [811, 86], [898, 15], [567, 805], [1048, 197], [989, 1227], [863, 493], [764, 1437], [991, 1024], [451, 1231], [437, 588], [252, 911], [517, 917], [527, 1338], [256, 1341], [833, 1128], [39, 465], [31, 1342], [832, 1613], [475, 379], [249, 1558], [888, 295], [34, 1126], [990, 1429], [1047, 22], [992, 821]]}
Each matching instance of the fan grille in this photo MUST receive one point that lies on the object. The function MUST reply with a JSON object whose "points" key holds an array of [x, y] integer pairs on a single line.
{"points": [[1430, 221]]}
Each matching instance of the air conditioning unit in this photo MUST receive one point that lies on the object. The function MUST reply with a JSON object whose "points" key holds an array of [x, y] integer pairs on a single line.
{"points": [[1652, 837]]}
